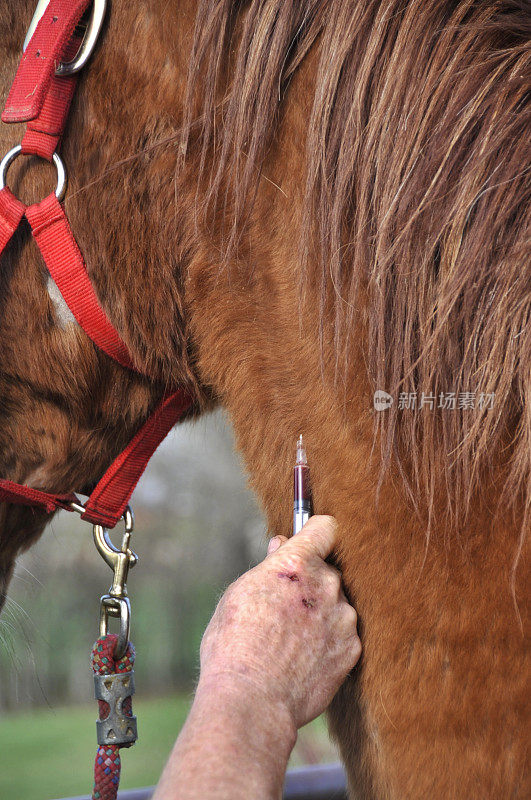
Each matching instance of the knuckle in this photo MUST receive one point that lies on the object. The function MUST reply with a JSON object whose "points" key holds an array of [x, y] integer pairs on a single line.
{"points": [[296, 562], [356, 649], [332, 580], [350, 615]]}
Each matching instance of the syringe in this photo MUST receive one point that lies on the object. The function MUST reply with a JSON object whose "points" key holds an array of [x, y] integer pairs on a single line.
{"points": [[302, 495]]}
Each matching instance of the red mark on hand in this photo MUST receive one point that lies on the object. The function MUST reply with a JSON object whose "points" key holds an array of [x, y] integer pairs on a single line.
{"points": [[308, 603], [292, 576]]}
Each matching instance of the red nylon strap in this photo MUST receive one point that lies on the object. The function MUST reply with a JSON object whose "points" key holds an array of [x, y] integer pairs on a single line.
{"points": [[107, 502], [109, 499], [44, 132], [38, 64], [11, 213], [24, 495], [65, 263]]}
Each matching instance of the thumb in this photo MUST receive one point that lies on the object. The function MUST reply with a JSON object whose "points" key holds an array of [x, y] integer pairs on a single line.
{"points": [[318, 535]]}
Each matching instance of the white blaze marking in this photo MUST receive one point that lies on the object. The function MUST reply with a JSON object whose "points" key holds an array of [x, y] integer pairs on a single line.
{"points": [[62, 312]]}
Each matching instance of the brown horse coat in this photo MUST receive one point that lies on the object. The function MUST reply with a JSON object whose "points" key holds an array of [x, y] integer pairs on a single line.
{"points": [[392, 137]]}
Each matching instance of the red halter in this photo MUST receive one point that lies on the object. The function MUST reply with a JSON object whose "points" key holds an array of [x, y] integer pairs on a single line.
{"points": [[41, 95]]}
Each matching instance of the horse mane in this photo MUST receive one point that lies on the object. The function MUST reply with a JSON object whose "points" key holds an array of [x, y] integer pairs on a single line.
{"points": [[417, 178]]}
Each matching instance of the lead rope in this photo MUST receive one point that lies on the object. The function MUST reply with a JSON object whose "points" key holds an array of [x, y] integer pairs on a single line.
{"points": [[113, 657], [114, 679]]}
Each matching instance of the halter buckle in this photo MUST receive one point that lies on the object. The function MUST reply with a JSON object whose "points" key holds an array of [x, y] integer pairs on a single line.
{"points": [[89, 26]]}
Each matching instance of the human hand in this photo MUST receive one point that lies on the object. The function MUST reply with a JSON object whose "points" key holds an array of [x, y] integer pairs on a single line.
{"points": [[284, 632]]}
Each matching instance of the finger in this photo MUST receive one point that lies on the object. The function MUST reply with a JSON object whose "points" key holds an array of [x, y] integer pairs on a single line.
{"points": [[275, 543], [331, 581], [318, 536], [349, 615], [342, 596]]}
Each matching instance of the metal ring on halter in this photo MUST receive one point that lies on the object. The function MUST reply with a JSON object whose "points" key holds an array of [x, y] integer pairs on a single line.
{"points": [[76, 506], [92, 30], [16, 151]]}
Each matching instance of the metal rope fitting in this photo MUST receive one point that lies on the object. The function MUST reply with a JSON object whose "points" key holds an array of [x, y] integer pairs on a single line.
{"points": [[118, 727]]}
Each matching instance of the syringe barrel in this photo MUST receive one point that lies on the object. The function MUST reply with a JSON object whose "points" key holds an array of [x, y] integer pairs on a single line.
{"points": [[302, 496]]}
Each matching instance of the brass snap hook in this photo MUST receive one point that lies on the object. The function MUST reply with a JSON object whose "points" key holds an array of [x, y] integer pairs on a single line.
{"points": [[116, 602], [120, 561]]}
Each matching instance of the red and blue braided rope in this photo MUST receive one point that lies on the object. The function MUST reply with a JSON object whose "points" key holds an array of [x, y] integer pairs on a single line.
{"points": [[107, 765]]}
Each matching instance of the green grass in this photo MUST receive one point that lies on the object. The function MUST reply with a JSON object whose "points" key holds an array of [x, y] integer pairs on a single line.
{"points": [[49, 753]]}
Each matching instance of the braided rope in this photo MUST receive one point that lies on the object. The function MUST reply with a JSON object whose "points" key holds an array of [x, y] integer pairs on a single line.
{"points": [[108, 764]]}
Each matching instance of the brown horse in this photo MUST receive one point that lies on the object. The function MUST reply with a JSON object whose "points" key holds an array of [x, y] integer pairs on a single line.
{"points": [[286, 205]]}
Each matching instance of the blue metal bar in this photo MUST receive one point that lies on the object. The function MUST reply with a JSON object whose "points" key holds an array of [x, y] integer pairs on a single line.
{"points": [[316, 782]]}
